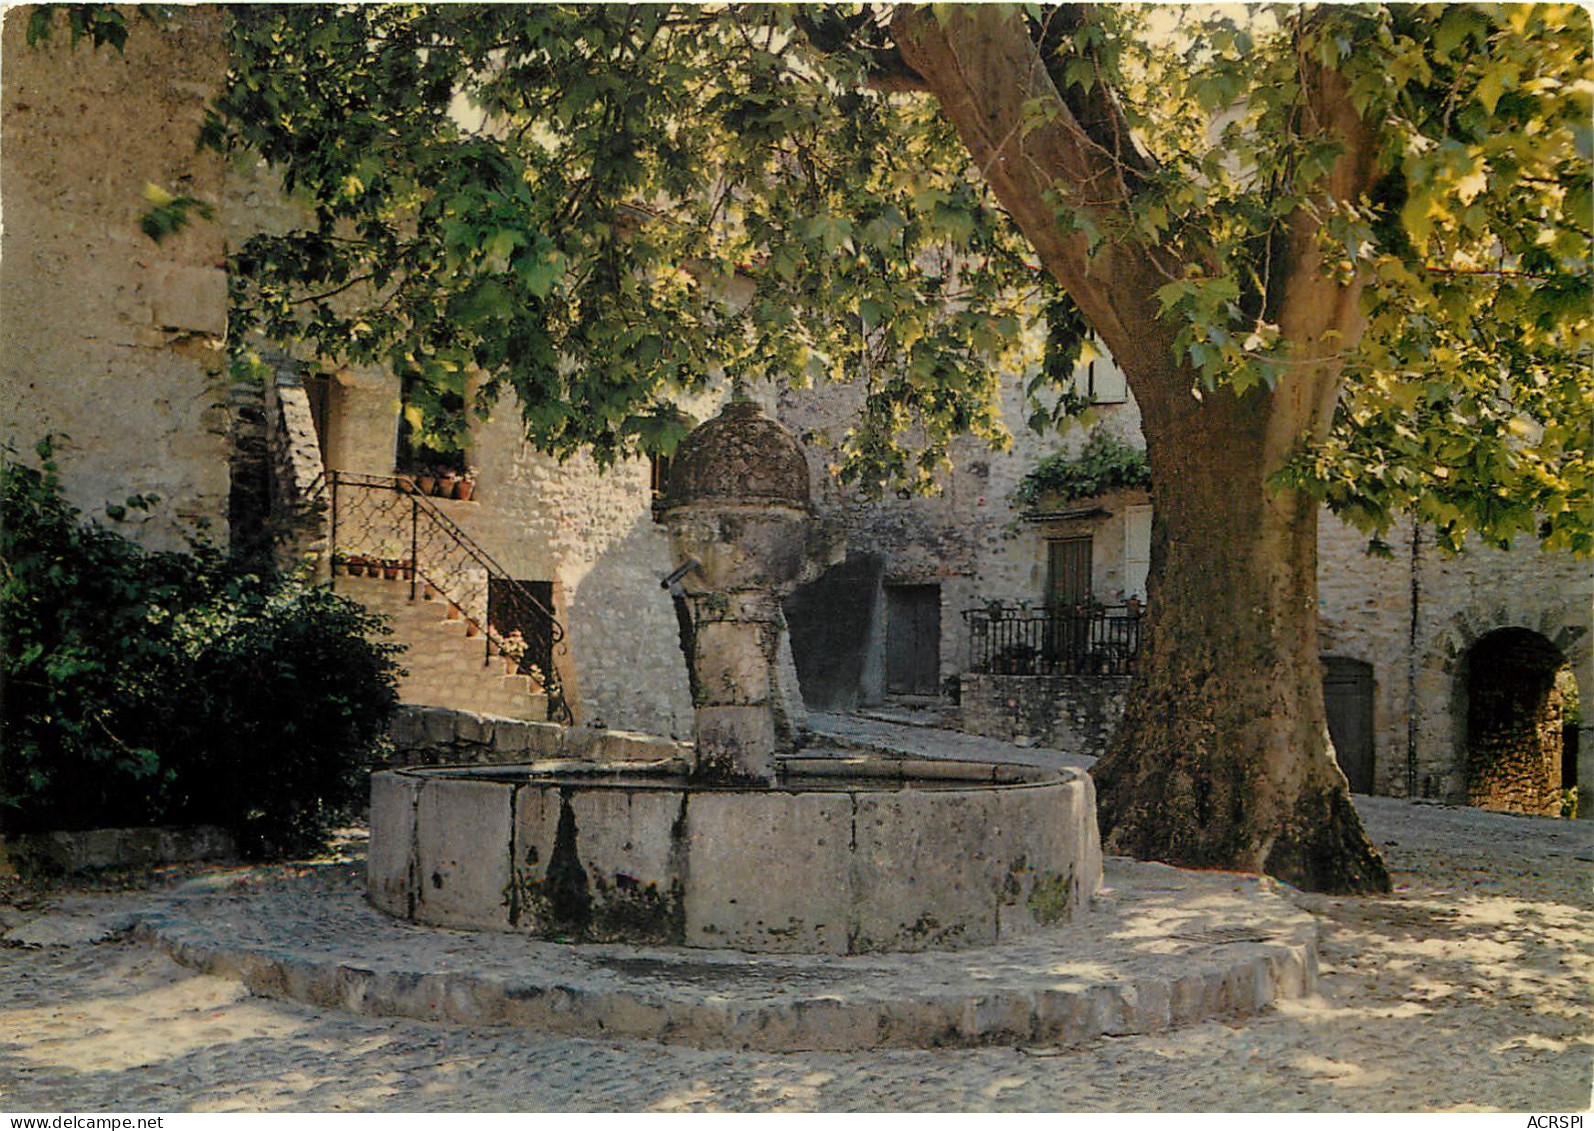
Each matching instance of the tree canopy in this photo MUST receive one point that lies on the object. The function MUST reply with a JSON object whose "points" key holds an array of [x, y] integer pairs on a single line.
{"points": [[576, 202], [566, 197]]}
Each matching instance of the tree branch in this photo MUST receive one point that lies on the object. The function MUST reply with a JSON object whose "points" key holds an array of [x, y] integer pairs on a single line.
{"points": [[988, 73], [828, 31]]}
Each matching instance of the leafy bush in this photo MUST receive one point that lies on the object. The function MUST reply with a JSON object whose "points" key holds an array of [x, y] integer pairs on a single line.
{"points": [[144, 687], [1106, 464]]}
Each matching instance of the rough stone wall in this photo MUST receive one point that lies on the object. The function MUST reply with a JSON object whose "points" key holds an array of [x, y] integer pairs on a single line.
{"points": [[1461, 600], [1018, 572], [1416, 618], [105, 335], [444, 736], [1514, 729], [1073, 713], [1365, 613]]}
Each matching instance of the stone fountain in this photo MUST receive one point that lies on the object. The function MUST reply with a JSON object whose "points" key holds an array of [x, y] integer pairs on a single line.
{"points": [[741, 842]]}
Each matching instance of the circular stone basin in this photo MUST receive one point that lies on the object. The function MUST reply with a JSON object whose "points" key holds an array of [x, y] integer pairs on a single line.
{"points": [[845, 855]]}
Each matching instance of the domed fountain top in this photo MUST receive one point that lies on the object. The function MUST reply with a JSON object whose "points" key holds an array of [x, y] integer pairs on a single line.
{"points": [[739, 456]]}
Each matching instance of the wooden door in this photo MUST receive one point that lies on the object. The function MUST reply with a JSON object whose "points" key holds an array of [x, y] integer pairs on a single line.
{"points": [[913, 639], [1068, 564], [1348, 695]]}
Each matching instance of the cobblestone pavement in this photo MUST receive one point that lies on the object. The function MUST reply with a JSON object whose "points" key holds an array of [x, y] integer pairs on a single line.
{"points": [[1472, 986]]}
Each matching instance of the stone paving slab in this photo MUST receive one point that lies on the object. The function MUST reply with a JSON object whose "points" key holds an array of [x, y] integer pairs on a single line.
{"points": [[74, 922], [1162, 948]]}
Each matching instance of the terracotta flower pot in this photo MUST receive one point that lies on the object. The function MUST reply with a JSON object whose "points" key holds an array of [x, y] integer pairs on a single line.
{"points": [[445, 487], [425, 483], [463, 489], [390, 569]]}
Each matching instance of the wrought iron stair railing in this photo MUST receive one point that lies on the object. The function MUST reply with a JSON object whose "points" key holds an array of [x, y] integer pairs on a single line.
{"points": [[382, 526]]}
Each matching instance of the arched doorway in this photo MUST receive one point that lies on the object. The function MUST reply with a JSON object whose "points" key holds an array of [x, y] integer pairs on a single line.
{"points": [[1514, 709]]}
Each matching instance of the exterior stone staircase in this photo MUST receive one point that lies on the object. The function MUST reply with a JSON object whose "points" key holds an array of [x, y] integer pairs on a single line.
{"points": [[446, 658], [463, 611]]}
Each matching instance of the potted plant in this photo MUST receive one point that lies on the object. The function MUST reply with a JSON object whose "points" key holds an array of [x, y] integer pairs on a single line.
{"points": [[466, 486], [513, 647], [446, 477], [390, 568], [425, 482], [406, 484]]}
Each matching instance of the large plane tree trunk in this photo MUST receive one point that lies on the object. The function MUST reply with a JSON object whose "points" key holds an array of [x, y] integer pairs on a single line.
{"points": [[1223, 759]]}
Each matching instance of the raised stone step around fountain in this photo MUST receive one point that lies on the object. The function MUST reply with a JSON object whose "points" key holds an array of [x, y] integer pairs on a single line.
{"points": [[1160, 948]]}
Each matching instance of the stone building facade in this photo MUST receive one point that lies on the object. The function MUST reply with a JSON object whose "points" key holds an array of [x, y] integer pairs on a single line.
{"points": [[923, 564], [107, 338], [116, 341], [1427, 627]]}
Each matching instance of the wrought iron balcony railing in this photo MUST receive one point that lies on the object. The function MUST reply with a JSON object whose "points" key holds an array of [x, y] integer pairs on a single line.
{"points": [[1081, 640], [383, 527]]}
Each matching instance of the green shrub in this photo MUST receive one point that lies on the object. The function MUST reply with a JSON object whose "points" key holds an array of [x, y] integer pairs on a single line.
{"points": [[1106, 464], [144, 687]]}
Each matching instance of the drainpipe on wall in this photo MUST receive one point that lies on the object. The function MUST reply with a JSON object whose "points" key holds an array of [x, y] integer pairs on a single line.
{"points": [[1411, 662]]}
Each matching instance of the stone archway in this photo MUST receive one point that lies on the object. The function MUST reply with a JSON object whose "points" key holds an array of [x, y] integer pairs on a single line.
{"points": [[1513, 721]]}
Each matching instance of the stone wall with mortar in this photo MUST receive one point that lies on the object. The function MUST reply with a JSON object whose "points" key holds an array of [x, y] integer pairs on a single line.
{"points": [[1077, 714], [1514, 739], [105, 335], [1365, 613]]}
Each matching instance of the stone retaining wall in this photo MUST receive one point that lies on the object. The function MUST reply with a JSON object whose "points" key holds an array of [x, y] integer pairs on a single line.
{"points": [[82, 850], [1073, 713], [441, 736]]}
